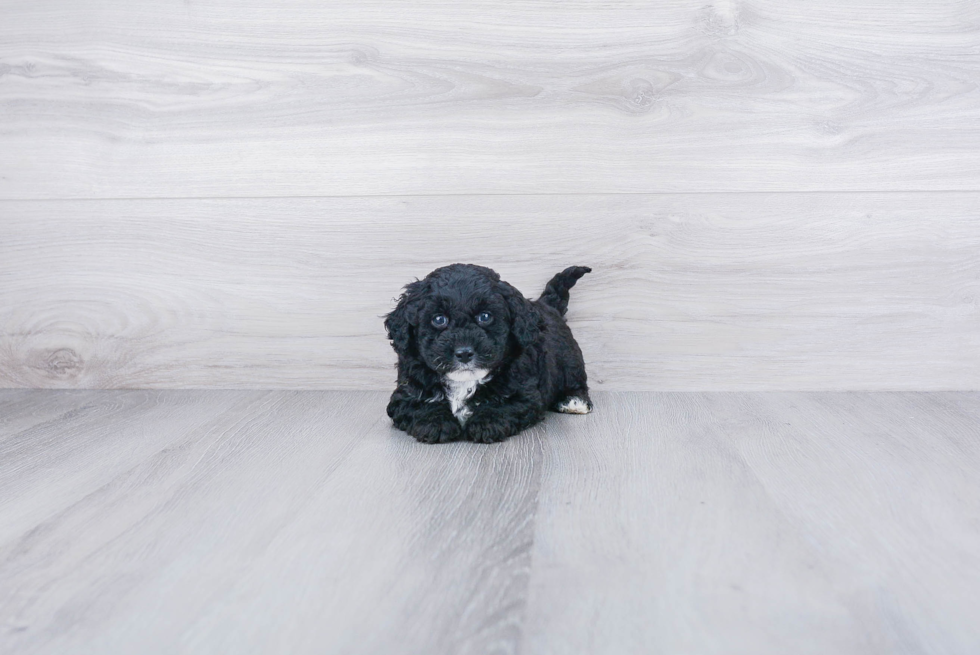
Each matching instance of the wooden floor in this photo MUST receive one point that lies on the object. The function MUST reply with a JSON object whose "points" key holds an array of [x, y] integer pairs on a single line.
{"points": [[301, 522]]}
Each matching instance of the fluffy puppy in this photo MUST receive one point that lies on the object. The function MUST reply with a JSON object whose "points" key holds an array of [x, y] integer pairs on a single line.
{"points": [[478, 361]]}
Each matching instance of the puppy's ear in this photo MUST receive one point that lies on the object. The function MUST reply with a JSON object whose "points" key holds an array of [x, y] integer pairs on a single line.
{"points": [[525, 321], [401, 322]]}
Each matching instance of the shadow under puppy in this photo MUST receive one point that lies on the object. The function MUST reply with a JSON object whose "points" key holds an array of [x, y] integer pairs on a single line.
{"points": [[478, 361]]}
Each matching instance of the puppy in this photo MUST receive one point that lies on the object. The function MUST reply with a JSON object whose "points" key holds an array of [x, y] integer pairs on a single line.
{"points": [[478, 361]]}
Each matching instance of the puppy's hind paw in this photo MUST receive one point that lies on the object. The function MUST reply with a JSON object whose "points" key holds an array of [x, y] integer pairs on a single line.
{"points": [[574, 405]]}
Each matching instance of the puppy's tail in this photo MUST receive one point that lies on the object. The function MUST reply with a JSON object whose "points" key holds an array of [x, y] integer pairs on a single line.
{"points": [[556, 292]]}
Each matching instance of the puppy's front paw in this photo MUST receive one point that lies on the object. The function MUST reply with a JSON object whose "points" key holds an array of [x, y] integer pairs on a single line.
{"points": [[484, 429], [437, 431]]}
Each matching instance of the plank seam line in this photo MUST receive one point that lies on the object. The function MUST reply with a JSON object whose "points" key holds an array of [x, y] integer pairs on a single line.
{"points": [[482, 195]]}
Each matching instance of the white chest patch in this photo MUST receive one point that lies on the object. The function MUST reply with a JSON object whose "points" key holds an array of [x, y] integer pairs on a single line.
{"points": [[460, 387]]}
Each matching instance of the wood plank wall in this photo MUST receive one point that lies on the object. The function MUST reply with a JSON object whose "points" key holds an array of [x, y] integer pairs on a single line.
{"points": [[773, 195]]}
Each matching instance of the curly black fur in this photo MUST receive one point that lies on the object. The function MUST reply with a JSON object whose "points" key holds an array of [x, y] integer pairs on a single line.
{"points": [[523, 360]]}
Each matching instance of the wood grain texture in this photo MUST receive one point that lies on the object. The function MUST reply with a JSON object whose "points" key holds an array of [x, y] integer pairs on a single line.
{"points": [[258, 522], [689, 291], [760, 523], [114, 98], [301, 522]]}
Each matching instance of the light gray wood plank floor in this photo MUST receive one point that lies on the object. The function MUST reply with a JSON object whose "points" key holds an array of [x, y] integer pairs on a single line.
{"points": [[301, 522]]}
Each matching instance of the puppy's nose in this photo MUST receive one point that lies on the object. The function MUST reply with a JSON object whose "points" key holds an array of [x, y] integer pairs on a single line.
{"points": [[464, 354]]}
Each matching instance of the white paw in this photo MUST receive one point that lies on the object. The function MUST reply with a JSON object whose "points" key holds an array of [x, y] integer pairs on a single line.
{"points": [[573, 405]]}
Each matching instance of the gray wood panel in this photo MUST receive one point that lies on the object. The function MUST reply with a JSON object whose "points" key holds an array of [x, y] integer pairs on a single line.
{"points": [[260, 522], [760, 523], [690, 291], [301, 522], [142, 98]]}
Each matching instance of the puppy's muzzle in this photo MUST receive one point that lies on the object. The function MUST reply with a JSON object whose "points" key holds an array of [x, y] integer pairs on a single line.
{"points": [[464, 355]]}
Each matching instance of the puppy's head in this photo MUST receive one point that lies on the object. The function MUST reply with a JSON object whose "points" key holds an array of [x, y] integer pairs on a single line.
{"points": [[462, 321]]}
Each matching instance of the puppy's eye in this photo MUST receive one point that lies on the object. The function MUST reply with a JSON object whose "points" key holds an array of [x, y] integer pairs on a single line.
{"points": [[484, 318], [440, 320]]}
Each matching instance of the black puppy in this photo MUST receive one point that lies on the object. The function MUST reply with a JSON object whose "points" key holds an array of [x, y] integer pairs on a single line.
{"points": [[480, 362]]}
